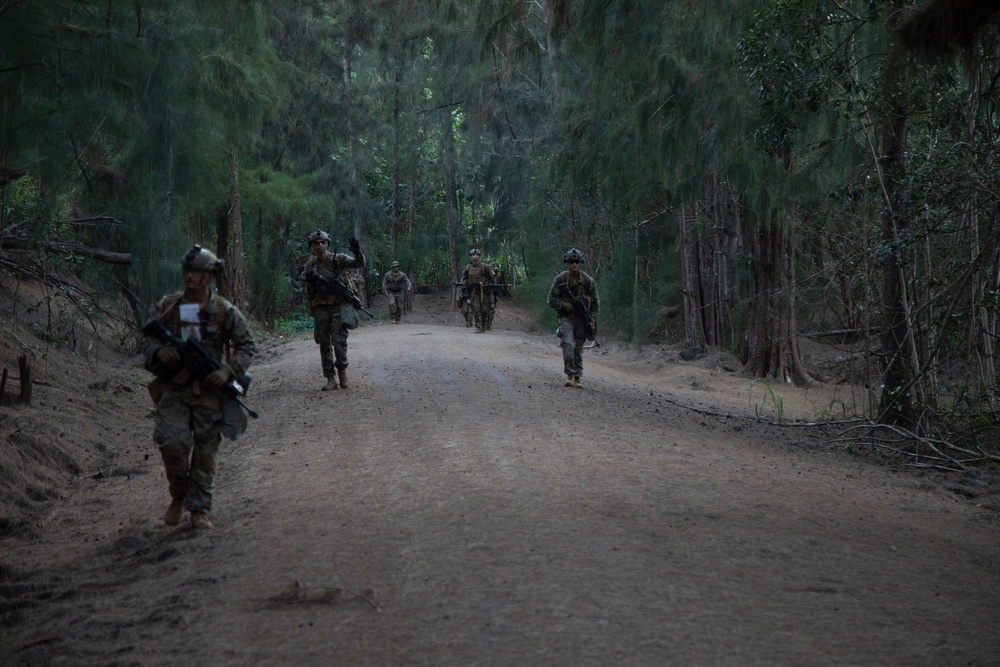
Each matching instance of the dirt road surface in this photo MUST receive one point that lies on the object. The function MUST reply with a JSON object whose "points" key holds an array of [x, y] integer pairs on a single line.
{"points": [[458, 506]]}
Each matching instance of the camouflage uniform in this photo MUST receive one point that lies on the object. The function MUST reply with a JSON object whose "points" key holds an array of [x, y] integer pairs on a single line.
{"points": [[331, 314], [397, 285], [474, 276], [463, 305], [493, 296], [571, 331], [189, 413]]}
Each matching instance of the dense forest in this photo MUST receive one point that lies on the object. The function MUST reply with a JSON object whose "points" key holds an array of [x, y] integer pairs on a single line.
{"points": [[738, 174]]}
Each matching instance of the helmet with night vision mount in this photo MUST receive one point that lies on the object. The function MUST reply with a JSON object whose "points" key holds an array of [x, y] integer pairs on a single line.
{"points": [[200, 259]]}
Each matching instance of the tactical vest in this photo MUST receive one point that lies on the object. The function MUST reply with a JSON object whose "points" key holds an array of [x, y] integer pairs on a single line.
{"points": [[478, 274], [580, 291], [171, 318]]}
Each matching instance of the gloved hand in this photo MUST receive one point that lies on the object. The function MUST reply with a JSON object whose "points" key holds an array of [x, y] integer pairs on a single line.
{"points": [[354, 245], [566, 307], [169, 355], [219, 377]]}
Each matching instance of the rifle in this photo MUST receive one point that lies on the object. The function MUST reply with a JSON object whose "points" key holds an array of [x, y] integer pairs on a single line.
{"points": [[198, 361], [583, 313], [337, 286]]}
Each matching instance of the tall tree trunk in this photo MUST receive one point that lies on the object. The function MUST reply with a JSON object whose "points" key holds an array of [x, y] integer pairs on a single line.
{"points": [[771, 338], [450, 191], [412, 219], [396, 206], [709, 263], [900, 377], [694, 331], [239, 291], [729, 284], [352, 149], [555, 14], [222, 249], [710, 256]]}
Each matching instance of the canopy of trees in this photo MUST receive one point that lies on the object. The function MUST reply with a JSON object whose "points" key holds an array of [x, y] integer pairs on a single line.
{"points": [[752, 169]]}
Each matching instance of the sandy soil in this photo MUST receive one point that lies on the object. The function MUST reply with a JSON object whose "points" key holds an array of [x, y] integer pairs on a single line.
{"points": [[458, 506]]}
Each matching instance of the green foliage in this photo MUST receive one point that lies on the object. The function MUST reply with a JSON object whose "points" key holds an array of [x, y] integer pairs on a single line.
{"points": [[23, 204], [297, 321]]}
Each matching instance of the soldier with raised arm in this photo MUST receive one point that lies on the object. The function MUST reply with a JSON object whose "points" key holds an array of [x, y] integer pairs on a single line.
{"points": [[332, 314]]}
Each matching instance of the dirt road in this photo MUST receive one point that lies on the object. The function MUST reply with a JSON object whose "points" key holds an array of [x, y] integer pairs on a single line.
{"points": [[458, 506]]}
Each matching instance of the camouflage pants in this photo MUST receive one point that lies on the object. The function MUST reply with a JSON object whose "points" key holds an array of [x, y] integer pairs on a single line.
{"points": [[395, 305], [572, 337], [479, 304], [466, 309], [188, 421], [493, 310], [331, 336]]}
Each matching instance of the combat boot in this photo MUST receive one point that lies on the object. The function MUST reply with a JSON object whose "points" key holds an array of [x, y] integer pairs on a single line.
{"points": [[569, 381], [331, 383], [200, 520], [342, 372], [576, 382], [174, 513]]}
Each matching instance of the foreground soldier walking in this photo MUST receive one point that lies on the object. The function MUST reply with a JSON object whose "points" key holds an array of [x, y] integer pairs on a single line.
{"points": [[193, 412], [332, 315], [573, 296]]}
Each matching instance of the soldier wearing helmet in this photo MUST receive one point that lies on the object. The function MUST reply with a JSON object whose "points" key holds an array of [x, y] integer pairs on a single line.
{"points": [[332, 315], [474, 277], [570, 285], [395, 286], [188, 425]]}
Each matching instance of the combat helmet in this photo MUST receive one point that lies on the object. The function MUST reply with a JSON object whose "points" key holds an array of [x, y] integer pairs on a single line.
{"points": [[474, 251], [394, 264], [202, 260], [573, 255], [318, 235]]}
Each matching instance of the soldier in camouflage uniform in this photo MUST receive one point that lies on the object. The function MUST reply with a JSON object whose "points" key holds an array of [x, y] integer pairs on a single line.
{"points": [[189, 412], [477, 274], [332, 316], [395, 286], [571, 330]]}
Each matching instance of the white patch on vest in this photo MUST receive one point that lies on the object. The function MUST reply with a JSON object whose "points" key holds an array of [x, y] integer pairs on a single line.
{"points": [[190, 322]]}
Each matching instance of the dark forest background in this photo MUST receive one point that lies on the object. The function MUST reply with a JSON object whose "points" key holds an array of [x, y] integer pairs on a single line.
{"points": [[739, 174]]}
